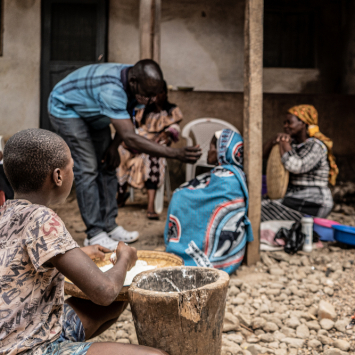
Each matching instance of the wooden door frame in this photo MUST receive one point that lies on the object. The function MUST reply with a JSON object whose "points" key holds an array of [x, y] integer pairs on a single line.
{"points": [[101, 47]]}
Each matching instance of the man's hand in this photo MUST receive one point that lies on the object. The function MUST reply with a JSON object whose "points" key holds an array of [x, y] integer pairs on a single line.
{"points": [[127, 252], [189, 155], [111, 157], [95, 251]]}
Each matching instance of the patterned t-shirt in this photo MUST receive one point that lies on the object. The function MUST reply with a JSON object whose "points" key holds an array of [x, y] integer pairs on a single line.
{"points": [[31, 292]]}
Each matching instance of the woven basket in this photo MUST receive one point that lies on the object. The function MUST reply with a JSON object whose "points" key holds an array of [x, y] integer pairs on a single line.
{"points": [[158, 258], [276, 175]]}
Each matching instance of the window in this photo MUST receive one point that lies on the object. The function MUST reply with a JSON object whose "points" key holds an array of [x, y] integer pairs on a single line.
{"points": [[289, 39]]}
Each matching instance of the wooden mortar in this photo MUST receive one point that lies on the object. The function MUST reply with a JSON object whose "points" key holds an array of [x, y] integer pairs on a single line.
{"points": [[180, 309]]}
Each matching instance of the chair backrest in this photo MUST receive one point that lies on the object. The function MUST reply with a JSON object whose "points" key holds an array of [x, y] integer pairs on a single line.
{"points": [[203, 130]]}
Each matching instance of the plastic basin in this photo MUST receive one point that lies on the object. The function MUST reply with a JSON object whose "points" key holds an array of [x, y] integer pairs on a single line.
{"points": [[344, 234], [324, 229]]}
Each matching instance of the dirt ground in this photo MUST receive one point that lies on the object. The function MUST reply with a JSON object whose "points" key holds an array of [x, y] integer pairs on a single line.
{"points": [[131, 217]]}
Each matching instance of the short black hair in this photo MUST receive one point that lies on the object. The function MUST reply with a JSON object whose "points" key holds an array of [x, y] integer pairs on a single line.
{"points": [[149, 77], [30, 156]]}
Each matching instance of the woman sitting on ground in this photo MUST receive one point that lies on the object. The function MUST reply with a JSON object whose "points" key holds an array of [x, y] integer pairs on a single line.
{"points": [[207, 221], [307, 154], [158, 122]]}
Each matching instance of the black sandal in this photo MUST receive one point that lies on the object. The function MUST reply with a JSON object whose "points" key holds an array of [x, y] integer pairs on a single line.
{"points": [[153, 216]]}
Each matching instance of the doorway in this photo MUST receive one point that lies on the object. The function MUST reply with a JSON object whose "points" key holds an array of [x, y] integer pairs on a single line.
{"points": [[74, 34]]}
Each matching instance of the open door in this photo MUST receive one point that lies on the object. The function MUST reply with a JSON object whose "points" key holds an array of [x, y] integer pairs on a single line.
{"points": [[74, 34]]}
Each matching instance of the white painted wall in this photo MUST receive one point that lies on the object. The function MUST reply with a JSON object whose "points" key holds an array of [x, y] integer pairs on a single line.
{"points": [[20, 66]]}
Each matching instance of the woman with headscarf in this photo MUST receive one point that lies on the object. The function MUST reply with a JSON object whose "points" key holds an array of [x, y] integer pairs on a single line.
{"points": [[307, 154], [158, 121], [207, 222]]}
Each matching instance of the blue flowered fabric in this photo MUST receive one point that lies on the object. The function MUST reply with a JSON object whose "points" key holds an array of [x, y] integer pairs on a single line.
{"points": [[71, 340], [95, 93], [207, 217]]}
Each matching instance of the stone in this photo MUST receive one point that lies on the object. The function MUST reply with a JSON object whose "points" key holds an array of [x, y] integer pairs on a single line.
{"points": [[264, 308], [313, 325], [315, 344], [329, 291], [270, 327], [276, 271], [237, 301], [231, 322], [233, 291], [292, 322], [326, 324], [325, 340], [236, 282], [254, 349], [341, 324], [281, 352], [333, 351], [236, 338], [289, 332], [244, 319], [341, 344], [267, 338], [274, 345], [326, 310], [278, 335], [294, 342], [302, 331], [258, 322], [123, 341]]}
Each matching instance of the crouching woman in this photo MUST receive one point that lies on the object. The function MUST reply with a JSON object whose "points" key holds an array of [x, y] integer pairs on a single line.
{"points": [[207, 221]]}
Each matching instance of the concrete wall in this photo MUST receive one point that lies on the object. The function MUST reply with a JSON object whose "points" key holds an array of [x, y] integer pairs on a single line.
{"points": [[202, 45], [20, 66]]}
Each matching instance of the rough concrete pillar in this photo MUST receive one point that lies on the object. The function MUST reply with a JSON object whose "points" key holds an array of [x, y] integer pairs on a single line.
{"points": [[149, 29], [252, 116]]}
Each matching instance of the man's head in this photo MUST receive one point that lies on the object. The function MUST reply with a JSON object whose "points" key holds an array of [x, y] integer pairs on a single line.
{"points": [[36, 158], [145, 80]]}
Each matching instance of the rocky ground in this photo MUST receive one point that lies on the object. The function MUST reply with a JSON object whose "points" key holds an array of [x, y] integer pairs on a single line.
{"points": [[285, 304], [297, 304]]}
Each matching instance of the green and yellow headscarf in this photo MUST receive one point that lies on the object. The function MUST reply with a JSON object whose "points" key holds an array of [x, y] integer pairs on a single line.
{"points": [[309, 115]]}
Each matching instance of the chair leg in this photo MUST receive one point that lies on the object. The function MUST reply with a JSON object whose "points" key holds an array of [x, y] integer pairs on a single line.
{"points": [[167, 183], [131, 194], [193, 172], [189, 168], [159, 200]]}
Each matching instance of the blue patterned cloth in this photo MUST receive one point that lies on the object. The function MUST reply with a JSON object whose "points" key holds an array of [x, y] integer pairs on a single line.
{"points": [[70, 342], [207, 217], [94, 93]]}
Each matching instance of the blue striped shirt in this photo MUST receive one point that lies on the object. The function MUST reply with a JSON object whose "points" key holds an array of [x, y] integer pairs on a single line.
{"points": [[95, 93]]}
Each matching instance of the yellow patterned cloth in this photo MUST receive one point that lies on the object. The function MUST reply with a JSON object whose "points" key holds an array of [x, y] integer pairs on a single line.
{"points": [[309, 115]]}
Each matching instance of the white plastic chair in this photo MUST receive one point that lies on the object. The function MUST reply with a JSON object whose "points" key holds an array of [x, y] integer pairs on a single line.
{"points": [[203, 130], [159, 197]]}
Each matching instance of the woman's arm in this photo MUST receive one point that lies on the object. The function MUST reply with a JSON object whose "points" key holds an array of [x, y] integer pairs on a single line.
{"points": [[297, 165], [101, 288]]}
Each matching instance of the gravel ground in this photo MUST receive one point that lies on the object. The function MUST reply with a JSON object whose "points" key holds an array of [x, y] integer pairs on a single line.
{"points": [[285, 304]]}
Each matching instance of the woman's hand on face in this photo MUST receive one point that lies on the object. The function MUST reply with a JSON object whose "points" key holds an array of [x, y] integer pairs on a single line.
{"points": [[282, 137], [95, 251]]}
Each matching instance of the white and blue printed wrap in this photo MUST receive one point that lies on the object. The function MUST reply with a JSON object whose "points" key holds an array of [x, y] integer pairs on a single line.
{"points": [[207, 218]]}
